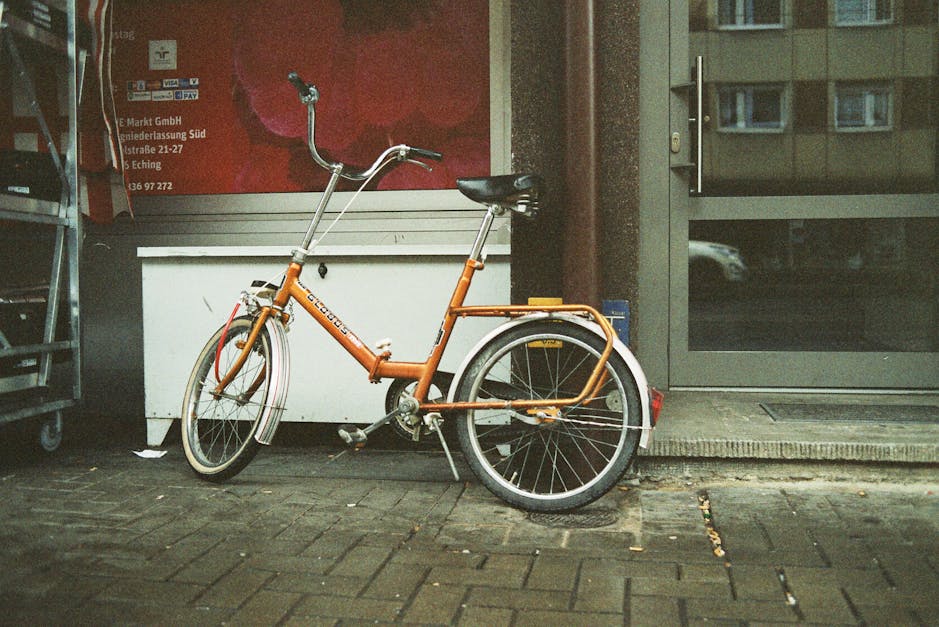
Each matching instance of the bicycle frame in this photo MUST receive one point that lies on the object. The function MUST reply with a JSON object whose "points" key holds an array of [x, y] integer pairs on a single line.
{"points": [[380, 365]]}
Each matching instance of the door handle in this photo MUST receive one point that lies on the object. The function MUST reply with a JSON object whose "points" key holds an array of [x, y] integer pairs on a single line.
{"points": [[694, 91], [697, 122]]}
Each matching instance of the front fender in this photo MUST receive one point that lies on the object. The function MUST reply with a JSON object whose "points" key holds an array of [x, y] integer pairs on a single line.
{"points": [[279, 366], [632, 363]]}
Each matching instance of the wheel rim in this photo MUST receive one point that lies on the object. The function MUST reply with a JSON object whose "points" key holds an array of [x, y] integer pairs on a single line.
{"points": [[567, 453], [219, 428], [50, 433]]}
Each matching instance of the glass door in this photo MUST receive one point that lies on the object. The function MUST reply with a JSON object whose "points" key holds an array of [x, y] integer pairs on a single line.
{"points": [[804, 193]]}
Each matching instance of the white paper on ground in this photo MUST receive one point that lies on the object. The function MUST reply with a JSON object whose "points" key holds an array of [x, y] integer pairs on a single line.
{"points": [[150, 454]]}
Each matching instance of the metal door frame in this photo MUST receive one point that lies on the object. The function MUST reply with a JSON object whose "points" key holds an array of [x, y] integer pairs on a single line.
{"points": [[665, 208]]}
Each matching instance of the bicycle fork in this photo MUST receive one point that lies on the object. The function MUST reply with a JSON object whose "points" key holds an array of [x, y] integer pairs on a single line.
{"points": [[276, 372]]}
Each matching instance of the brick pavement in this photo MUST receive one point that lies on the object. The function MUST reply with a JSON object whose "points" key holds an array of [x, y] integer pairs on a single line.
{"points": [[307, 537]]}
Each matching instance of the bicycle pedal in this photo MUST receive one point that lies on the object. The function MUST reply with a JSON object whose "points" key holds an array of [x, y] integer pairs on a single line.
{"points": [[353, 436], [383, 344]]}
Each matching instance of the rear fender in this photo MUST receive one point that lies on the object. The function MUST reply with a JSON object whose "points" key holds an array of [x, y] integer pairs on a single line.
{"points": [[632, 363]]}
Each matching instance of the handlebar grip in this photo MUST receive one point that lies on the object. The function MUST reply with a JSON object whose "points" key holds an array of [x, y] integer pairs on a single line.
{"points": [[297, 82], [308, 93], [427, 154]]}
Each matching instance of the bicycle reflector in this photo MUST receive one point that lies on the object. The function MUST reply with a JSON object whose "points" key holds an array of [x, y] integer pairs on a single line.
{"points": [[656, 399]]}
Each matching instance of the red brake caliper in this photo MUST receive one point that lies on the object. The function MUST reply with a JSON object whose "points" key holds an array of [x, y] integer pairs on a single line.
{"points": [[221, 340]]}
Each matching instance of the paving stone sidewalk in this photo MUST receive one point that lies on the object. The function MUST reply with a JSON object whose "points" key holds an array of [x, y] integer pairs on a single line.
{"points": [[318, 537]]}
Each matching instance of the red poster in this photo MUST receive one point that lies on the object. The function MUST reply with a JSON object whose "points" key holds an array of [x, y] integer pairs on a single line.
{"points": [[204, 107]]}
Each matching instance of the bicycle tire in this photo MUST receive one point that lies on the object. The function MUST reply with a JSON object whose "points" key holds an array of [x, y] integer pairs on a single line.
{"points": [[569, 459], [218, 432]]}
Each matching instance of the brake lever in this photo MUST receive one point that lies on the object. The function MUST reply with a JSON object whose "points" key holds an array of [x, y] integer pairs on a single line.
{"points": [[420, 163]]}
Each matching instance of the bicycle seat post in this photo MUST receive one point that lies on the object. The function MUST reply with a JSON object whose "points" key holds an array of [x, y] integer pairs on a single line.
{"points": [[492, 211]]}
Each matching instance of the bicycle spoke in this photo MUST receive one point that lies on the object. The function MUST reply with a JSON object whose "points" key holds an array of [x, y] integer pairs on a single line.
{"points": [[592, 420], [555, 471], [528, 369], [492, 434], [573, 370], [574, 440], [572, 450], [513, 472], [522, 384], [528, 448], [593, 441]]}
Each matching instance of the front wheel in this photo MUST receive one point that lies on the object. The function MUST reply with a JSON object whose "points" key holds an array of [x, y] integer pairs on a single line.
{"points": [[556, 458], [218, 429]]}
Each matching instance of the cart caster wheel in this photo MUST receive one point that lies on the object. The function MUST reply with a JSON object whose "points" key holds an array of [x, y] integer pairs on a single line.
{"points": [[50, 433]]}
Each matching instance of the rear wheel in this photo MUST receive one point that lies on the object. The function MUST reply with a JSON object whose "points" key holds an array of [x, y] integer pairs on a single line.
{"points": [[556, 458], [218, 429]]}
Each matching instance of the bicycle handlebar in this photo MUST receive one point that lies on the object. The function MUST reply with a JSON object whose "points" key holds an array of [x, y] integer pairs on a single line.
{"points": [[309, 95]]}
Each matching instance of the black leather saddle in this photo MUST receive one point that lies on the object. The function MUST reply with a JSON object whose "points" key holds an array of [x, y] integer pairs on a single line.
{"points": [[519, 192]]}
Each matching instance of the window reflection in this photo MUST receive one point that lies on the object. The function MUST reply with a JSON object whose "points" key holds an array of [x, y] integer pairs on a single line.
{"points": [[751, 107], [853, 12], [814, 285], [859, 107], [748, 13]]}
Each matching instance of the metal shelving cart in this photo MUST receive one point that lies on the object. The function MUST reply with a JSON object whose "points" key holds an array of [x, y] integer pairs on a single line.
{"points": [[40, 373]]}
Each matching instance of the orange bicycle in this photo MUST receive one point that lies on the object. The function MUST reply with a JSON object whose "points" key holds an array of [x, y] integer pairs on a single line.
{"points": [[549, 407]]}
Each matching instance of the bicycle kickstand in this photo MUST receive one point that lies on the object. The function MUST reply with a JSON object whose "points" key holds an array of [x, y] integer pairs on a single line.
{"points": [[432, 420]]}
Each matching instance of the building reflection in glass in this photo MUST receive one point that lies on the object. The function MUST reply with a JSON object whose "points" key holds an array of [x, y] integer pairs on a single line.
{"points": [[814, 97]]}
